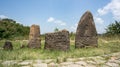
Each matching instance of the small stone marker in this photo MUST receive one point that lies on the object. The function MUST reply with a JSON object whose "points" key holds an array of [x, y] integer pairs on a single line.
{"points": [[86, 34], [8, 46], [34, 37], [57, 41]]}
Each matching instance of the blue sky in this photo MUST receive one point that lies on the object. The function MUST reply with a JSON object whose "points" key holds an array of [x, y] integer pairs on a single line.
{"points": [[63, 14]]}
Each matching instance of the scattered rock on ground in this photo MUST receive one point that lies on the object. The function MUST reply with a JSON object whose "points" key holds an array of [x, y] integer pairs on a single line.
{"points": [[98, 61], [8, 45]]}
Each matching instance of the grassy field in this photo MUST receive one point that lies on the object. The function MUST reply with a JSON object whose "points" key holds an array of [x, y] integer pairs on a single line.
{"points": [[106, 45]]}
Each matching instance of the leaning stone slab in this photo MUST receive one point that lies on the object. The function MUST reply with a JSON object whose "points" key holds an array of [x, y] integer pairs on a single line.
{"points": [[57, 41], [34, 37], [86, 34]]}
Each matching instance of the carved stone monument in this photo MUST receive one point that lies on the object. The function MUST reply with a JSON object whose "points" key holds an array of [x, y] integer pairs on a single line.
{"points": [[57, 41], [86, 34], [34, 37]]}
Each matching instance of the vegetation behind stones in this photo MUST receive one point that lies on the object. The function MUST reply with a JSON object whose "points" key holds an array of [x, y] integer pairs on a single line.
{"points": [[10, 29], [113, 28]]}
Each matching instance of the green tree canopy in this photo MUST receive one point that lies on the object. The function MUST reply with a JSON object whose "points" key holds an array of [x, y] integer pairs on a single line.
{"points": [[9, 28], [56, 29], [113, 28]]}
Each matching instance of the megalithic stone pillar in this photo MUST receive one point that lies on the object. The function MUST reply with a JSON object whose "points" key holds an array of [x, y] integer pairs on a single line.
{"points": [[86, 34], [57, 41], [34, 37]]}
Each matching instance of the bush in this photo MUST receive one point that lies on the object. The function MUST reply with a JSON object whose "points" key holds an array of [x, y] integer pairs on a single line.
{"points": [[113, 29], [10, 29]]}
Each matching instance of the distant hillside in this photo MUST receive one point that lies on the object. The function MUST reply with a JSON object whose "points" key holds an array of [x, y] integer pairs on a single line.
{"points": [[10, 29]]}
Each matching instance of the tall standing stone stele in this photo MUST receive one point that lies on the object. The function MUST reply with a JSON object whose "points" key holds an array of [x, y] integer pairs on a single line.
{"points": [[86, 34], [34, 37]]}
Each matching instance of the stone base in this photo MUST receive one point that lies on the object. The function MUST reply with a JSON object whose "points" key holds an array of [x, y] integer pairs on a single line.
{"points": [[34, 43], [86, 41]]}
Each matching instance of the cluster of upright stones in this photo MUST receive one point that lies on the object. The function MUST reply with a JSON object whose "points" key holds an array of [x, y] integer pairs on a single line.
{"points": [[86, 34], [57, 41], [34, 37]]}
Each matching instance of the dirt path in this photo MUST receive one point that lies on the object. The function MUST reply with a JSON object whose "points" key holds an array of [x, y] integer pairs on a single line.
{"points": [[110, 60]]}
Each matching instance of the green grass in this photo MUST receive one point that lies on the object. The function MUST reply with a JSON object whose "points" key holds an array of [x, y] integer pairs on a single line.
{"points": [[105, 46]]}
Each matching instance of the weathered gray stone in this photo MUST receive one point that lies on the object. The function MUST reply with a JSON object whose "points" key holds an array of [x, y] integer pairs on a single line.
{"points": [[8, 45], [112, 64], [53, 65], [117, 61], [40, 65], [82, 63], [74, 65], [91, 62], [86, 34], [38, 61], [91, 65], [8, 63], [72, 59], [27, 62], [25, 66], [104, 66], [57, 41], [66, 63], [34, 37], [48, 60]]}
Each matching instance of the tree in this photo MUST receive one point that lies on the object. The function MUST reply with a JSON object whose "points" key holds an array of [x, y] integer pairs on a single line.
{"points": [[9, 29], [72, 35], [56, 29], [113, 28]]}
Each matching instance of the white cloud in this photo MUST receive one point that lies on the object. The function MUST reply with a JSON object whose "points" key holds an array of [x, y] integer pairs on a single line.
{"points": [[60, 22], [3, 16], [100, 26], [18, 22], [98, 20], [113, 7], [99, 23], [50, 19], [74, 27]]}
